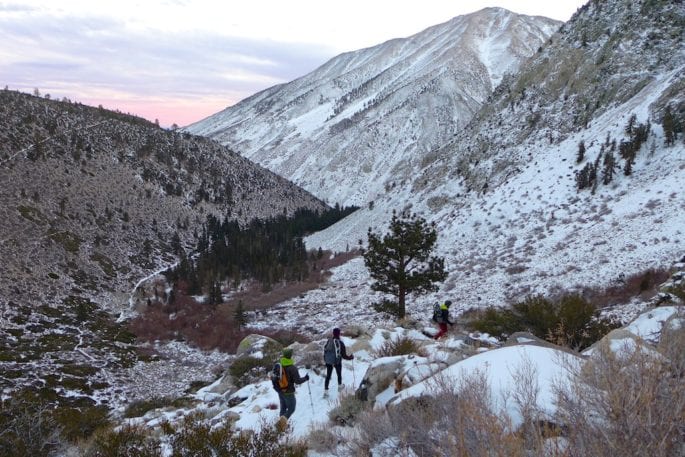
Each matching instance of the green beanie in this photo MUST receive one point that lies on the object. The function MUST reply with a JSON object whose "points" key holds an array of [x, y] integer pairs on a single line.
{"points": [[287, 353]]}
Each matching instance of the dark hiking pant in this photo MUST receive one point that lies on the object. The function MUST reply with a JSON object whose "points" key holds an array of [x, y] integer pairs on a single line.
{"points": [[329, 372], [288, 404]]}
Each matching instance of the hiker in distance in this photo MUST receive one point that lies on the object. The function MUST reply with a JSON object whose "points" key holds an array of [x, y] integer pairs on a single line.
{"points": [[333, 353], [442, 317], [284, 378]]}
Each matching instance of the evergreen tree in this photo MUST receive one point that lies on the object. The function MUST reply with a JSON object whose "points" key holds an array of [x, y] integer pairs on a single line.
{"points": [[581, 151], [631, 124], [401, 262], [669, 126], [239, 315], [628, 168], [215, 295], [586, 176], [609, 167]]}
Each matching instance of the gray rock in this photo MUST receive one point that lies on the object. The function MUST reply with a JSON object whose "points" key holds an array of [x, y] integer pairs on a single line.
{"points": [[258, 345]]}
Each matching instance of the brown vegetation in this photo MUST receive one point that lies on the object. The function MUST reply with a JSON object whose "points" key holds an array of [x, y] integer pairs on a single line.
{"points": [[216, 327], [630, 402], [642, 284], [254, 298]]}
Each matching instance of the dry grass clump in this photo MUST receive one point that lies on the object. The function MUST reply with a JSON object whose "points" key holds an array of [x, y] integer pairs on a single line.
{"points": [[195, 437], [451, 421], [402, 345], [322, 439], [348, 410], [630, 402]]}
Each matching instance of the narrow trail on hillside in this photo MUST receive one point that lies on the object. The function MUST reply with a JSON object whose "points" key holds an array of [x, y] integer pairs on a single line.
{"points": [[132, 300]]}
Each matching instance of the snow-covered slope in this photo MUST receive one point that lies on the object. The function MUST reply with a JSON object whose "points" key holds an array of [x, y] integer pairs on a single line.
{"points": [[504, 370], [364, 122], [503, 193]]}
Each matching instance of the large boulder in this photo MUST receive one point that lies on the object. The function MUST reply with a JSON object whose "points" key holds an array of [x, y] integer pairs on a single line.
{"points": [[526, 338], [621, 342], [258, 346], [387, 375], [254, 346]]}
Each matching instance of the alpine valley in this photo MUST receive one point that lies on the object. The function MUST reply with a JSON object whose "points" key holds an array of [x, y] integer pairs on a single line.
{"points": [[549, 156]]}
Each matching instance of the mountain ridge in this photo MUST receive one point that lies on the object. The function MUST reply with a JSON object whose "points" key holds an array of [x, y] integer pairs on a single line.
{"points": [[338, 121], [503, 191], [61, 177]]}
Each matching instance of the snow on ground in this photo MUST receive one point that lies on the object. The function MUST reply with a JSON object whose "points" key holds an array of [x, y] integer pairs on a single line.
{"points": [[650, 324], [262, 405], [506, 370], [535, 232]]}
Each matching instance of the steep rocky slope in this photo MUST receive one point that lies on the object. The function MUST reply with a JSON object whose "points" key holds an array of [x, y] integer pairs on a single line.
{"points": [[366, 119], [92, 202], [503, 192], [95, 200]]}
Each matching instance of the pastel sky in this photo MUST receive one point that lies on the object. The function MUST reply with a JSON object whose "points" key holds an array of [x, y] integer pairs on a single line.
{"points": [[179, 61]]}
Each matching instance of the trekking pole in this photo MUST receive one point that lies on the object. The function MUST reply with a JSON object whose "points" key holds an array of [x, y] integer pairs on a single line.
{"points": [[354, 377], [309, 388]]}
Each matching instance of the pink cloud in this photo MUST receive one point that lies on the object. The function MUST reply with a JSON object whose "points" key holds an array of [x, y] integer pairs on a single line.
{"points": [[168, 111]]}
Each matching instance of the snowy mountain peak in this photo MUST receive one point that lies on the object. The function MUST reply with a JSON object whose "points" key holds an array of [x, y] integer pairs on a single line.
{"points": [[362, 122]]}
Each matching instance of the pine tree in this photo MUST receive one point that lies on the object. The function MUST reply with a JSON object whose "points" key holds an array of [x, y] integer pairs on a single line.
{"points": [[401, 262], [609, 166], [581, 151], [215, 295], [669, 126], [239, 315], [631, 125]]}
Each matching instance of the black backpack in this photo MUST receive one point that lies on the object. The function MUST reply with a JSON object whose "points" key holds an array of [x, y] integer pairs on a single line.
{"points": [[437, 313]]}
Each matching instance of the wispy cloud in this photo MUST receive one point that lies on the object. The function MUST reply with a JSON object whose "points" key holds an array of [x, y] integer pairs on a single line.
{"points": [[87, 57]]}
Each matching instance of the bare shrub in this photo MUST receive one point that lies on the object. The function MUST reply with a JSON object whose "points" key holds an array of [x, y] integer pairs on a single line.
{"points": [[348, 409], [27, 427], [402, 345], [628, 403], [641, 283], [125, 441], [452, 420], [186, 319], [198, 438]]}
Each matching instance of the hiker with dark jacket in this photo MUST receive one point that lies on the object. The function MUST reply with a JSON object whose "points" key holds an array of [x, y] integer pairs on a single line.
{"points": [[333, 353], [444, 318], [287, 396]]}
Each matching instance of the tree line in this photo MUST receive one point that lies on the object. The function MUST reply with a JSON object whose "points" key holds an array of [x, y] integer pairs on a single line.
{"points": [[266, 250]]}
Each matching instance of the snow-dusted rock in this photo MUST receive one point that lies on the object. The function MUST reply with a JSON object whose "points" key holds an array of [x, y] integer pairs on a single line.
{"points": [[258, 346], [397, 373], [649, 324], [620, 341], [505, 369], [527, 338], [416, 372]]}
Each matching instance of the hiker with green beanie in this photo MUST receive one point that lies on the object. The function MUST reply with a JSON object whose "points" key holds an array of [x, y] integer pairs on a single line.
{"points": [[284, 378]]}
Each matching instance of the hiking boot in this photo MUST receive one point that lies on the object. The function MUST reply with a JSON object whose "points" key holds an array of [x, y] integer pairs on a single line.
{"points": [[282, 424]]}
